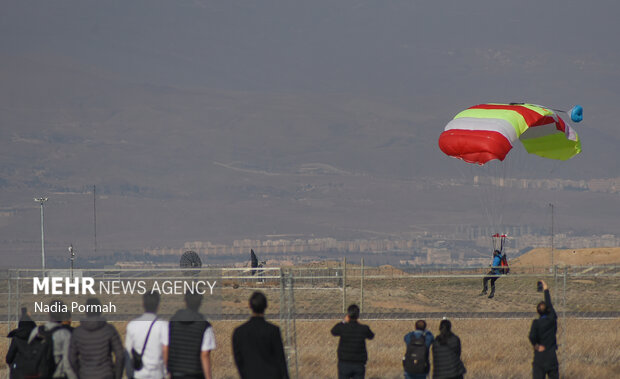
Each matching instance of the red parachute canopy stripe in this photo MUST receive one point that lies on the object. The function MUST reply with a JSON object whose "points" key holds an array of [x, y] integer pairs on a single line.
{"points": [[474, 146]]}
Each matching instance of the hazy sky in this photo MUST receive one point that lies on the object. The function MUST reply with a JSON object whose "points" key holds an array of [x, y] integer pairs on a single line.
{"points": [[381, 47], [69, 65]]}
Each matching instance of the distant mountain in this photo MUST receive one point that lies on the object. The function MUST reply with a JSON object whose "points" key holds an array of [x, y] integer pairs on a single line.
{"points": [[214, 121]]}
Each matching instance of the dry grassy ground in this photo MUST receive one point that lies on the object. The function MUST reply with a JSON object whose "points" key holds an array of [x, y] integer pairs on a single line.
{"points": [[572, 257], [492, 348]]}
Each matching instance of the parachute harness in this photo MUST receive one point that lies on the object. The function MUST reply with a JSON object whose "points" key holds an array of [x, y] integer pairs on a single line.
{"points": [[499, 241]]}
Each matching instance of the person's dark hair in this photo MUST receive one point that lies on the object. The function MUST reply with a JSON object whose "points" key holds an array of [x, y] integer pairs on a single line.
{"points": [[150, 301], [445, 331], [66, 316], [93, 307], [56, 311], [420, 325], [25, 321], [542, 309], [193, 300], [258, 302], [497, 252], [353, 312]]}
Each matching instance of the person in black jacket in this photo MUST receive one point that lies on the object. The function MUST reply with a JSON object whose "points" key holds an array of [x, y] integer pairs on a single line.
{"points": [[93, 344], [447, 363], [543, 339], [19, 338], [257, 345], [352, 354]]}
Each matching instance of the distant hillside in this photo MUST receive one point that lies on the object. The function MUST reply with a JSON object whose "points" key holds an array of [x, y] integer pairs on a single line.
{"points": [[577, 257]]}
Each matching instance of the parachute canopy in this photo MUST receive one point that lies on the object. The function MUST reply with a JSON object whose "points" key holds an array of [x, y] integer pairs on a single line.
{"points": [[488, 131]]}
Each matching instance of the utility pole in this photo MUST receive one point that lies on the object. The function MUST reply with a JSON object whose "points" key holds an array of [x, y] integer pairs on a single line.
{"points": [[42, 200], [95, 215]]}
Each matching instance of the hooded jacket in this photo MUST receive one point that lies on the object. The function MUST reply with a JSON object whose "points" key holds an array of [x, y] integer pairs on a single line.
{"points": [[91, 348], [19, 338]]}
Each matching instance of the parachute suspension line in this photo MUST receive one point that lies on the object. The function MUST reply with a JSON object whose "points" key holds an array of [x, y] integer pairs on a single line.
{"points": [[499, 242], [483, 189], [483, 136]]}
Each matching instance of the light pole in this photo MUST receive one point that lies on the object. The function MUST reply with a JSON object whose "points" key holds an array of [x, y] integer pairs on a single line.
{"points": [[71, 257], [42, 200]]}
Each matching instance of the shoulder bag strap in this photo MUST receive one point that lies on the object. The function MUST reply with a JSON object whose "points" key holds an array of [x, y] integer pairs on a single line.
{"points": [[147, 336]]}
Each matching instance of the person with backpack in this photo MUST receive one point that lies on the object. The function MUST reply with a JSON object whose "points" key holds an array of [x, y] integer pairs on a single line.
{"points": [[19, 340], [96, 350], [257, 345], [144, 340], [543, 338], [416, 360], [446, 349], [493, 275], [352, 354], [55, 363], [190, 342]]}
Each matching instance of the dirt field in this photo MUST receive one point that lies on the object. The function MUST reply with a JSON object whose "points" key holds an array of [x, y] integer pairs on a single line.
{"points": [[570, 257], [492, 348]]}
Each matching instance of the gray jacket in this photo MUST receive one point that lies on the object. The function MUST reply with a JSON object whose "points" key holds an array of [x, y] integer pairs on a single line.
{"points": [[92, 345]]}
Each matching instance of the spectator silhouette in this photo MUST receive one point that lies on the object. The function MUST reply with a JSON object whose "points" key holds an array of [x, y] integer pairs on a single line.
{"points": [[446, 348], [96, 351], [420, 334], [19, 339], [543, 339], [352, 354], [257, 345], [190, 342], [146, 335], [61, 337]]}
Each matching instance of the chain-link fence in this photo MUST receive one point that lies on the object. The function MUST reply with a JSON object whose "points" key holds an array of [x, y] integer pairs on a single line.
{"points": [[307, 302]]}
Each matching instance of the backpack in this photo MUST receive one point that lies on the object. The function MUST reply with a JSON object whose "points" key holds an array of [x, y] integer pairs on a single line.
{"points": [[505, 269], [37, 357], [415, 360]]}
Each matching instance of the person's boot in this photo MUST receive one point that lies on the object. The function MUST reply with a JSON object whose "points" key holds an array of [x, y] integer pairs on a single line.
{"points": [[483, 293], [492, 294]]}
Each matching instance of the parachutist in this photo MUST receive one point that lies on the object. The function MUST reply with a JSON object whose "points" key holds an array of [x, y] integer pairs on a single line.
{"points": [[499, 266]]}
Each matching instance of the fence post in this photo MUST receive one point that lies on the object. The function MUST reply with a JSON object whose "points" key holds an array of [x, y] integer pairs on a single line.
{"points": [[8, 312], [564, 324], [287, 320], [18, 302], [292, 316], [344, 285], [362, 287]]}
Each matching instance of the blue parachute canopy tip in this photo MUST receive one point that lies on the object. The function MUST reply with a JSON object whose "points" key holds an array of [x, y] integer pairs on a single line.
{"points": [[576, 113]]}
